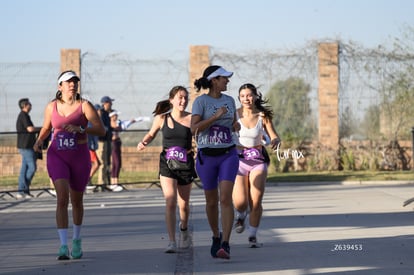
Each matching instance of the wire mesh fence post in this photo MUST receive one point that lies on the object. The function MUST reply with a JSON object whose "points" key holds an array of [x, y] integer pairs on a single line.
{"points": [[412, 148]]}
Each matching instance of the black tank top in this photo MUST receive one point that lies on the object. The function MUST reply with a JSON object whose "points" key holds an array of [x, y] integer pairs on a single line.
{"points": [[180, 135]]}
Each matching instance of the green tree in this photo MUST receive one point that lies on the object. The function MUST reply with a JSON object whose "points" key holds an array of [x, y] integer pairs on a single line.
{"points": [[291, 105], [348, 124], [370, 125], [397, 105]]}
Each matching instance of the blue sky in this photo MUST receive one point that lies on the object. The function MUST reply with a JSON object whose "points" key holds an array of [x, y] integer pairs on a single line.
{"points": [[37, 30]]}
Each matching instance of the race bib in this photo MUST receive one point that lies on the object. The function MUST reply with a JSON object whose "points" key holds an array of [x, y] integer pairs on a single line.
{"points": [[177, 153], [66, 141], [251, 153], [219, 134]]}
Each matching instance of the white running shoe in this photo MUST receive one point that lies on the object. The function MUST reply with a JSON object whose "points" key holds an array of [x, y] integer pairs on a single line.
{"points": [[253, 242], [115, 187], [171, 248], [239, 225], [184, 238]]}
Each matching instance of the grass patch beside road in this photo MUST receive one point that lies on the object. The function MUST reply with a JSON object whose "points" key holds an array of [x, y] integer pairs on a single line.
{"points": [[41, 179], [338, 176]]}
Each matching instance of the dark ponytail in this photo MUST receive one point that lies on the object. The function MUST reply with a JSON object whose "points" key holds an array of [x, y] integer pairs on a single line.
{"points": [[162, 106], [203, 82]]}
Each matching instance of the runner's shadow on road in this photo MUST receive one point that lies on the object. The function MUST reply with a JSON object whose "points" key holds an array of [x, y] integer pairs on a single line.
{"points": [[367, 256]]}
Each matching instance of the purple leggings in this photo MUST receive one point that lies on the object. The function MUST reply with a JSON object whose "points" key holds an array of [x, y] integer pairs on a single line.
{"points": [[73, 165], [116, 158], [213, 169]]}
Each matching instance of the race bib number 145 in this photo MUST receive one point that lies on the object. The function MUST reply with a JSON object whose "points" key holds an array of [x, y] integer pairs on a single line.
{"points": [[66, 141]]}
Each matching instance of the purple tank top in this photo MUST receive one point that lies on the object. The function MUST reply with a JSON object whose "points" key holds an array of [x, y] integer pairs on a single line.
{"points": [[75, 118]]}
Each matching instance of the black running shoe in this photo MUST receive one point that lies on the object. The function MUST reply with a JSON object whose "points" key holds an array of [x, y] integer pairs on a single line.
{"points": [[224, 251], [215, 246]]}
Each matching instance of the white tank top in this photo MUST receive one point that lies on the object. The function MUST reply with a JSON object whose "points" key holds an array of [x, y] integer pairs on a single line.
{"points": [[251, 137]]}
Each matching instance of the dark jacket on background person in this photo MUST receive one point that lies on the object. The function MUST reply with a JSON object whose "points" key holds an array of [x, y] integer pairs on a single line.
{"points": [[107, 123], [25, 139]]}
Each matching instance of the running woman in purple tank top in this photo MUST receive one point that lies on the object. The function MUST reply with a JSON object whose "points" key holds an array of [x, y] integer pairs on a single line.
{"points": [[68, 159]]}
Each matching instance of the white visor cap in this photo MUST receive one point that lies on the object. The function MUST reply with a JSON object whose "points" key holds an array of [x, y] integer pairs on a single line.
{"points": [[111, 114], [66, 76], [219, 72]]}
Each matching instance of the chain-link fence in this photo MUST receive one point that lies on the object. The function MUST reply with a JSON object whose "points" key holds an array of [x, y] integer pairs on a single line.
{"points": [[367, 76]]}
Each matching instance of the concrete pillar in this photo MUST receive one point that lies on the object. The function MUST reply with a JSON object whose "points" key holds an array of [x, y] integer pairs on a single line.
{"points": [[199, 60], [70, 59], [328, 91]]}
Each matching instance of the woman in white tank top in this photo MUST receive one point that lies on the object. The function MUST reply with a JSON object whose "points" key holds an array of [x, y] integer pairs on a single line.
{"points": [[255, 121]]}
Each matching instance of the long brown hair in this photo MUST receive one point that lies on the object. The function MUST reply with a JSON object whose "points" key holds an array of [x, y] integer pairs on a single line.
{"points": [[164, 106], [260, 102]]}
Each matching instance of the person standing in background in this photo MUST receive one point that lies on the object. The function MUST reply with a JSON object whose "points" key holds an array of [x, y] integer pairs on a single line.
{"points": [[117, 126], [255, 120], [93, 147], [214, 124], [104, 151], [26, 138]]}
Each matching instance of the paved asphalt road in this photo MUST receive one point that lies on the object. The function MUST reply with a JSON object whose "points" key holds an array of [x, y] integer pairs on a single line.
{"points": [[314, 229]]}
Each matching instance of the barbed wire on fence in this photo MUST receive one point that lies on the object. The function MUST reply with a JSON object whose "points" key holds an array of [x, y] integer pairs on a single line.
{"points": [[137, 84], [35, 80]]}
